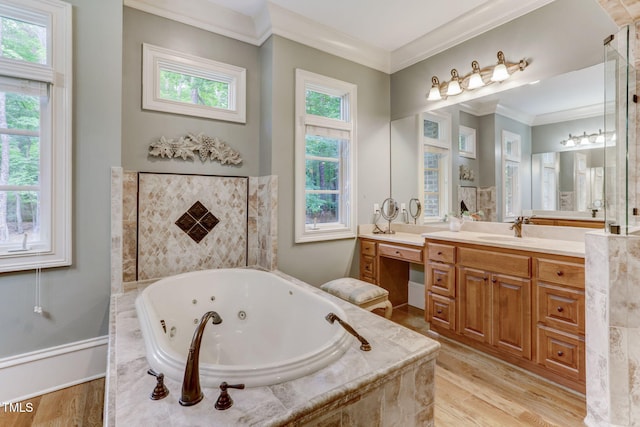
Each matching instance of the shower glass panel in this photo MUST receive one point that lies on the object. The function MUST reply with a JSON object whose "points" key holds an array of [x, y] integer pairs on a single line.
{"points": [[619, 122]]}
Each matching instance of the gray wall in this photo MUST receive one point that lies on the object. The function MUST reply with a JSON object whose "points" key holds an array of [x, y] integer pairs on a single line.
{"points": [[76, 299], [142, 127], [546, 138], [318, 262]]}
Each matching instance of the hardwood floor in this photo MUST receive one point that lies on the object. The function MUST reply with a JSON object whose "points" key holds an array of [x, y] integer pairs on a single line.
{"points": [[472, 389], [80, 406]]}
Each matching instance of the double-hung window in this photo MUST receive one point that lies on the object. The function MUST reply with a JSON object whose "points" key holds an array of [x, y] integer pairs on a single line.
{"points": [[325, 158], [435, 163], [35, 134], [511, 157]]}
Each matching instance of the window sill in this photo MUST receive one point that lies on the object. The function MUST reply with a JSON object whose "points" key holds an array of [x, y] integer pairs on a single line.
{"points": [[324, 234]]}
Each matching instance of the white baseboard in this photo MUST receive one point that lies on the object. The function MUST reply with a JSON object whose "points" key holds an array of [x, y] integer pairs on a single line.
{"points": [[416, 294], [31, 374]]}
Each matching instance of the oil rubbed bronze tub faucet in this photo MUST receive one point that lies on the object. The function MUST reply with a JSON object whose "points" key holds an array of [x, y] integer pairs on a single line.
{"points": [[191, 391], [364, 344]]}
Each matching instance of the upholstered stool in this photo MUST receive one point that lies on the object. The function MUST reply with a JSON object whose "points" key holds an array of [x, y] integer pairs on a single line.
{"points": [[364, 295]]}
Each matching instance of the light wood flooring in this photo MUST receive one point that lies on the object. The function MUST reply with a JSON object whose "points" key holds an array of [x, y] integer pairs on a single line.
{"points": [[472, 389]]}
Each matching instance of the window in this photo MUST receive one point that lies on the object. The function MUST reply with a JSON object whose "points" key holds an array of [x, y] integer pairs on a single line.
{"points": [[435, 166], [35, 155], [580, 181], [176, 82], [467, 142], [549, 182], [511, 194], [325, 158]]}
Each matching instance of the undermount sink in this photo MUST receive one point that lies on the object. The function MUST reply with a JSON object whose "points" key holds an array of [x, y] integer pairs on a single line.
{"points": [[500, 238]]}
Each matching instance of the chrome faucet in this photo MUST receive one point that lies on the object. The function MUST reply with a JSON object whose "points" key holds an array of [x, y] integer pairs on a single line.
{"points": [[191, 391], [517, 225]]}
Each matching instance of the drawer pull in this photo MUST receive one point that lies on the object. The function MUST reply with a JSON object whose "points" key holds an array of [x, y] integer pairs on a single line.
{"points": [[494, 280], [559, 273], [439, 279], [439, 311], [439, 252], [561, 353], [560, 309]]}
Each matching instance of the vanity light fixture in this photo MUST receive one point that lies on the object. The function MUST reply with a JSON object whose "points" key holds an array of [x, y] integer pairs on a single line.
{"points": [[585, 139], [477, 78]]}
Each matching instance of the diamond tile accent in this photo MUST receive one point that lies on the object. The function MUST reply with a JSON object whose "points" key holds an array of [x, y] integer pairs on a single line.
{"points": [[197, 222]]}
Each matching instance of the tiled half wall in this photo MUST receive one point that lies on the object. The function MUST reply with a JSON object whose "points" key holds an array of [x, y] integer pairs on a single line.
{"points": [[165, 224]]}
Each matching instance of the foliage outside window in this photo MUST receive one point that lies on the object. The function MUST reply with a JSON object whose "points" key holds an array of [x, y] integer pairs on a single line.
{"points": [[435, 161], [511, 157], [35, 153], [180, 83], [325, 158]]}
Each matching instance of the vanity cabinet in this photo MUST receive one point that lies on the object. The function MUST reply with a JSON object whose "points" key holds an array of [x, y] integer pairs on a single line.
{"points": [[560, 318], [522, 306], [495, 308], [386, 264], [441, 289]]}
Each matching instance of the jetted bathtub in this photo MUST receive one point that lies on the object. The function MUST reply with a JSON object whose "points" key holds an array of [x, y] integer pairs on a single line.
{"points": [[272, 329]]}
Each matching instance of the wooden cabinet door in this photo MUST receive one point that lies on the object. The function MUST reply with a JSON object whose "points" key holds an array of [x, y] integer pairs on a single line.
{"points": [[474, 304], [511, 314]]}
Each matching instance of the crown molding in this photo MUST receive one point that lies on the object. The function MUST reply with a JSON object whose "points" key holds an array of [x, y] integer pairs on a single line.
{"points": [[477, 21], [566, 115], [202, 14], [273, 19]]}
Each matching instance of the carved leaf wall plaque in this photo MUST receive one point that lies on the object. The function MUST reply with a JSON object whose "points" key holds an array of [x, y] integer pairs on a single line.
{"points": [[185, 147]]}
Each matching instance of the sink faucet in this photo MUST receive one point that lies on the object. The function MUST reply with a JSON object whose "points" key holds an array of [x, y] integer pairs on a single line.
{"points": [[191, 391], [517, 225]]}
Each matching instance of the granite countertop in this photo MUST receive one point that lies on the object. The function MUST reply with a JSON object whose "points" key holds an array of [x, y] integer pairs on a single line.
{"points": [[128, 385], [533, 244]]}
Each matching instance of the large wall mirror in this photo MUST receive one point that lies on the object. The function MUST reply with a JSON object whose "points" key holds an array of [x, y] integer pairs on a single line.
{"points": [[536, 147]]}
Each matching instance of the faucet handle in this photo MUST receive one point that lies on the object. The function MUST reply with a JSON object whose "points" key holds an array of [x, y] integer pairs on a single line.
{"points": [[224, 400], [160, 391]]}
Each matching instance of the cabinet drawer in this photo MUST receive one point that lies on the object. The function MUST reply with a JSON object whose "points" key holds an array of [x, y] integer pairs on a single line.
{"points": [[441, 253], [564, 273], [367, 267], [400, 252], [561, 308], [441, 279], [441, 311], [498, 262], [367, 248], [562, 353]]}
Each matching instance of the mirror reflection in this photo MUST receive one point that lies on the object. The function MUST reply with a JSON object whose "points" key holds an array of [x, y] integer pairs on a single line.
{"points": [[536, 147]]}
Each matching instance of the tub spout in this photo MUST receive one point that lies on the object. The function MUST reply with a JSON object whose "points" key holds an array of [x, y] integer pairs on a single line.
{"points": [[364, 344], [191, 391]]}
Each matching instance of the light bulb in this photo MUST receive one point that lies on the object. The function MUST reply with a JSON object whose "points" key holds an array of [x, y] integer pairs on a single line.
{"points": [[475, 80], [453, 88], [434, 92], [500, 72]]}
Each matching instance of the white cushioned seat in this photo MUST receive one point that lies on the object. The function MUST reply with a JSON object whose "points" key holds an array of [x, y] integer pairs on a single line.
{"points": [[363, 294]]}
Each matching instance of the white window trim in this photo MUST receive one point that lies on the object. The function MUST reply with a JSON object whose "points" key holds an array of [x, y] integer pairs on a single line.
{"points": [[516, 158], [443, 143], [347, 228], [153, 57], [56, 190], [470, 140]]}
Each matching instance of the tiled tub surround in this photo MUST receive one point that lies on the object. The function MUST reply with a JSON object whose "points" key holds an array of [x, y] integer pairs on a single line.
{"points": [[393, 384], [612, 329], [147, 243]]}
